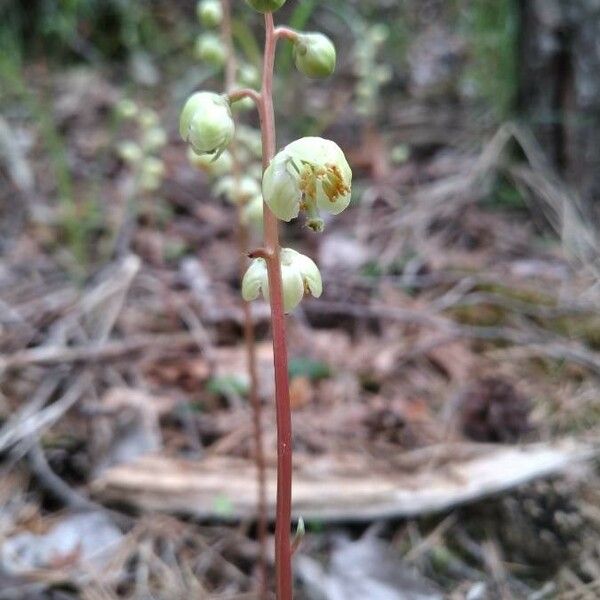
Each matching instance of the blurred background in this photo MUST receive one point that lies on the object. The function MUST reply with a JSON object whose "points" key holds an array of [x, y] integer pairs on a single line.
{"points": [[445, 387]]}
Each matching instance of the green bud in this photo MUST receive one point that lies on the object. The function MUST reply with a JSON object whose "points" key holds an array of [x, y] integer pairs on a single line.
{"points": [[314, 55], [148, 118], [206, 123], [250, 138], [249, 75], [154, 139], [127, 109], [130, 152], [213, 167], [237, 191], [299, 275], [311, 174], [252, 213], [243, 105], [378, 34], [265, 6], [152, 173], [210, 49], [210, 13]]}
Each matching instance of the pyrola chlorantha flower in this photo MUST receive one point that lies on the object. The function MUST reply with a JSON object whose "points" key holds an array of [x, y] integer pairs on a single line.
{"points": [[206, 123], [310, 174], [299, 274]]}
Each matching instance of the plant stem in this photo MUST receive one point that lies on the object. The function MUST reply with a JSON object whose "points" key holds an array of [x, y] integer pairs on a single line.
{"points": [[283, 549], [249, 337]]}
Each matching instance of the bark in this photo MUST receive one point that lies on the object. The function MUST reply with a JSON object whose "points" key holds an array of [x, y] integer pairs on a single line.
{"points": [[560, 87]]}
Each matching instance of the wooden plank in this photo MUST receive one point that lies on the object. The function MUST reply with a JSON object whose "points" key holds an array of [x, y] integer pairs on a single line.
{"points": [[348, 487]]}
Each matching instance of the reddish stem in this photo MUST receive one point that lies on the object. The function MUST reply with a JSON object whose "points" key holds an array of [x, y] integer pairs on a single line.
{"points": [[283, 548], [286, 33], [249, 336]]}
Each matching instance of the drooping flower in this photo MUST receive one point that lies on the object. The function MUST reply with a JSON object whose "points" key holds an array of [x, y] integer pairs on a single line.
{"points": [[206, 123], [299, 274], [314, 55], [310, 174]]}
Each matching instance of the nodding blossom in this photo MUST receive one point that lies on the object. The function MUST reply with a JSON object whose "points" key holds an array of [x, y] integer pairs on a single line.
{"points": [[299, 274]]}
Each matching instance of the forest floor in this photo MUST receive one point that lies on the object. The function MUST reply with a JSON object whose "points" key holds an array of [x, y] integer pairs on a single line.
{"points": [[444, 388]]}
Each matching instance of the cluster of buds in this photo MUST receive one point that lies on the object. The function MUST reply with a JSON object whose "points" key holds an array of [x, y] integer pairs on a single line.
{"points": [[370, 73], [141, 155], [211, 50], [207, 123], [310, 175]]}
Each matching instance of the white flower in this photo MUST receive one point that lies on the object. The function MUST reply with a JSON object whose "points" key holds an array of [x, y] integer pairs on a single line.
{"points": [[310, 174], [299, 275], [206, 123]]}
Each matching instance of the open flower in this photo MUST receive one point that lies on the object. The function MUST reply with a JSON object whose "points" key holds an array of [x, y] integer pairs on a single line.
{"points": [[314, 55], [310, 174], [206, 123], [299, 274]]}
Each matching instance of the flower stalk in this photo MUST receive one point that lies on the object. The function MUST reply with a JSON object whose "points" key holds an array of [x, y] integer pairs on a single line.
{"points": [[283, 547]]}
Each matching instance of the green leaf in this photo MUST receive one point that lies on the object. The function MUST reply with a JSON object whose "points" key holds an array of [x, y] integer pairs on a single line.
{"points": [[306, 367], [229, 384]]}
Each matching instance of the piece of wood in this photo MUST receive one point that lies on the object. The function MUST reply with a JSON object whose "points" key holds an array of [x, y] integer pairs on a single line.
{"points": [[349, 487]]}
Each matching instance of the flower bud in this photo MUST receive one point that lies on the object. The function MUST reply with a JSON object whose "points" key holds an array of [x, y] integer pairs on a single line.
{"points": [[311, 174], [249, 75], [237, 191], [154, 139], [213, 167], [148, 118], [130, 152], [251, 139], [252, 213], [152, 173], [210, 13], [265, 6], [206, 123], [314, 55], [127, 109], [299, 275], [210, 49], [243, 105]]}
